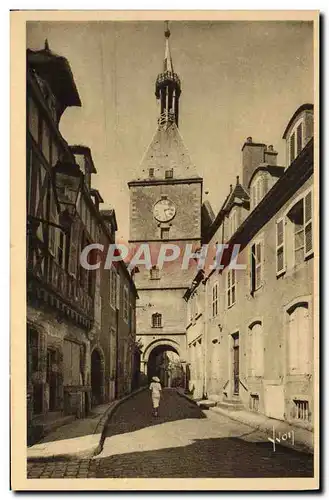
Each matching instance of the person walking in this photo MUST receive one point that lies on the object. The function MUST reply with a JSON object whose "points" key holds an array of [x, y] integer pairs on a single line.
{"points": [[155, 388]]}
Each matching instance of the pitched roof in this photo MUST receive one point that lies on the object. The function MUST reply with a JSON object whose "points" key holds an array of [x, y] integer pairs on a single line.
{"points": [[167, 151], [237, 195]]}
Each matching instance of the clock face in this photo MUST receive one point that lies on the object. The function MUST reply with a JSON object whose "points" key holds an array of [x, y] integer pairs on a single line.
{"points": [[164, 210]]}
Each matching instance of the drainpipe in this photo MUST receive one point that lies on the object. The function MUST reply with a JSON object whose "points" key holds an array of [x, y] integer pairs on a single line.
{"points": [[205, 338]]}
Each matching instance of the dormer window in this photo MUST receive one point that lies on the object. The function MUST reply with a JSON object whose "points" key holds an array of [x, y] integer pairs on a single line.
{"points": [[299, 132], [296, 141], [258, 190]]}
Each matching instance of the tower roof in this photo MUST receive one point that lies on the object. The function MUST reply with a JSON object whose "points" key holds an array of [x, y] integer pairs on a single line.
{"points": [[167, 63], [167, 151]]}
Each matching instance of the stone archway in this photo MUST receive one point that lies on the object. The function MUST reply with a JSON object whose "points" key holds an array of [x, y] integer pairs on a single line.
{"points": [[97, 376], [162, 359]]}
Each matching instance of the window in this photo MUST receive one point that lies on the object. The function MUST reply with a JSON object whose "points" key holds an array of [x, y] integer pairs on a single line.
{"points": [[256, 266], [169, 174], [308, 232], [74, 241], [259, 189], [156, 320], [164, 233], [113, 287], [301, 409], [154, 273], [118, 297], [230, 287], [299, 138], [52, 218], [232, 223], [61, 249], [125, 303], [151, 172], [292, 148], [299, 340], [296, 141], [280, 242], [256, 350], [254, 402], [301, 215], [215, 300]]}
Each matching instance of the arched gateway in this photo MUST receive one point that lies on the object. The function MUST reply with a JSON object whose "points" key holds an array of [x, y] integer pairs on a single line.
{"points": [[162, 358]]}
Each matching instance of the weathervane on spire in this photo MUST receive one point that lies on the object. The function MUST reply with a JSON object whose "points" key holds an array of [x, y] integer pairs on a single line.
{"points": [[167, 30]]}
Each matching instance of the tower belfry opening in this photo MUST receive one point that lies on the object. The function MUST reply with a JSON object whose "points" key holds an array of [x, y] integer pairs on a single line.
{"points": [[168, 87]]}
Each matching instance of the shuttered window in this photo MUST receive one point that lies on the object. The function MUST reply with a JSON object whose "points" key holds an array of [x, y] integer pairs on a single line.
{"points": [[215, 300], [292, 154], [280, 247], [118, 296], [256, 264], [230, 292], [299, 340], [256, 350], [299, 138], [113, 288]]}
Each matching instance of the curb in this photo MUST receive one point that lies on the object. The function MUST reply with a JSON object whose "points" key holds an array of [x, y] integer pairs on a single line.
{"points": [[183, 395], [98, 434], [267, 429], [102, 424], [300, 446]]}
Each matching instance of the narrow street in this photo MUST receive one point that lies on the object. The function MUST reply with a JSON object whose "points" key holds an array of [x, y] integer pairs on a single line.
{"points": [[182, 442]]}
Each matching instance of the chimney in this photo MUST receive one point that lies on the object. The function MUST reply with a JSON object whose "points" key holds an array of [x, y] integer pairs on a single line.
{"points": [[252, 155], [271, 155]]}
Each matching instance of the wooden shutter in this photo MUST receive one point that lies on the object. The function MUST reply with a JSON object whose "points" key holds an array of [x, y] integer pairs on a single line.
{"points": [[280, 247], [253, 268], [74, 245], [118, 294], [308, 230]]}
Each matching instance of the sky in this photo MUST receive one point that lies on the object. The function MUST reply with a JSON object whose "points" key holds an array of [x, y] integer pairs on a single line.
{"points": [[239, 79]]}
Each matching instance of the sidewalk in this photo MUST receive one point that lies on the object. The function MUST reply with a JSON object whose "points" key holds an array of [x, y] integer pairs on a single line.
{"points": [[79, 439], [303, 439]]}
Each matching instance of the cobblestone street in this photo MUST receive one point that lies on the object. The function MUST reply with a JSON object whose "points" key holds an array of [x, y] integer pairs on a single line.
{"points": [[182, 441]]}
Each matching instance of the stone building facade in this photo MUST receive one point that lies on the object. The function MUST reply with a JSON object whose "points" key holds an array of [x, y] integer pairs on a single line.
{"points": [[67, 324], [250, 332]]}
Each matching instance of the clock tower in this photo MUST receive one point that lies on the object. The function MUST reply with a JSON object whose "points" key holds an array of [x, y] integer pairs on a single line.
{"points": [[165, 208]]}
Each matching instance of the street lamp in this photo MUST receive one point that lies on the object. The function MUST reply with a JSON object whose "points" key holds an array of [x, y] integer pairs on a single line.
{"points": [[68, 180]]}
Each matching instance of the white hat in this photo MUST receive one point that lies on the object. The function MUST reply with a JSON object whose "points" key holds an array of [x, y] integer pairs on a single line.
{"points": [[155, 379]]}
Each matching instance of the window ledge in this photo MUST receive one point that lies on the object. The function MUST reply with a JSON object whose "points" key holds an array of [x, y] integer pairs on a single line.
{"points": [[230, 306]]}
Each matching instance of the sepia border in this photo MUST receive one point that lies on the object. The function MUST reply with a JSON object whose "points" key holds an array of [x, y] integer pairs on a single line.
{"points": [[19, 481]]}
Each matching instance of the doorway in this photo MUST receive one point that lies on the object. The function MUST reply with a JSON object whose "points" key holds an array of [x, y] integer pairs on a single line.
{"points": [[97, 377], [235, 338]]}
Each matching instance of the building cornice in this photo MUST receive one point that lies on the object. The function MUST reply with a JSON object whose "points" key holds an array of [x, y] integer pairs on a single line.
{"points": [[161, 182]]}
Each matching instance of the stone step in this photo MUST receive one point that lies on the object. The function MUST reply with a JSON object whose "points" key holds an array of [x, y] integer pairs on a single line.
{"points": [[205, 404], [231, 405]]}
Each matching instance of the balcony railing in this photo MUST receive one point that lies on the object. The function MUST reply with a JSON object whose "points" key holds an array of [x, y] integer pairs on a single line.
{"points": [[59, 281]]}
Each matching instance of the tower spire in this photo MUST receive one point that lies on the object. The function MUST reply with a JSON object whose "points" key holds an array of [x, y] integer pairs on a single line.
{"points": [[167, 87]]}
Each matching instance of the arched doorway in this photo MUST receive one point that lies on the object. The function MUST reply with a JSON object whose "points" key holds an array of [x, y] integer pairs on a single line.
{"points": [[97, 377], [164, 362]]}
